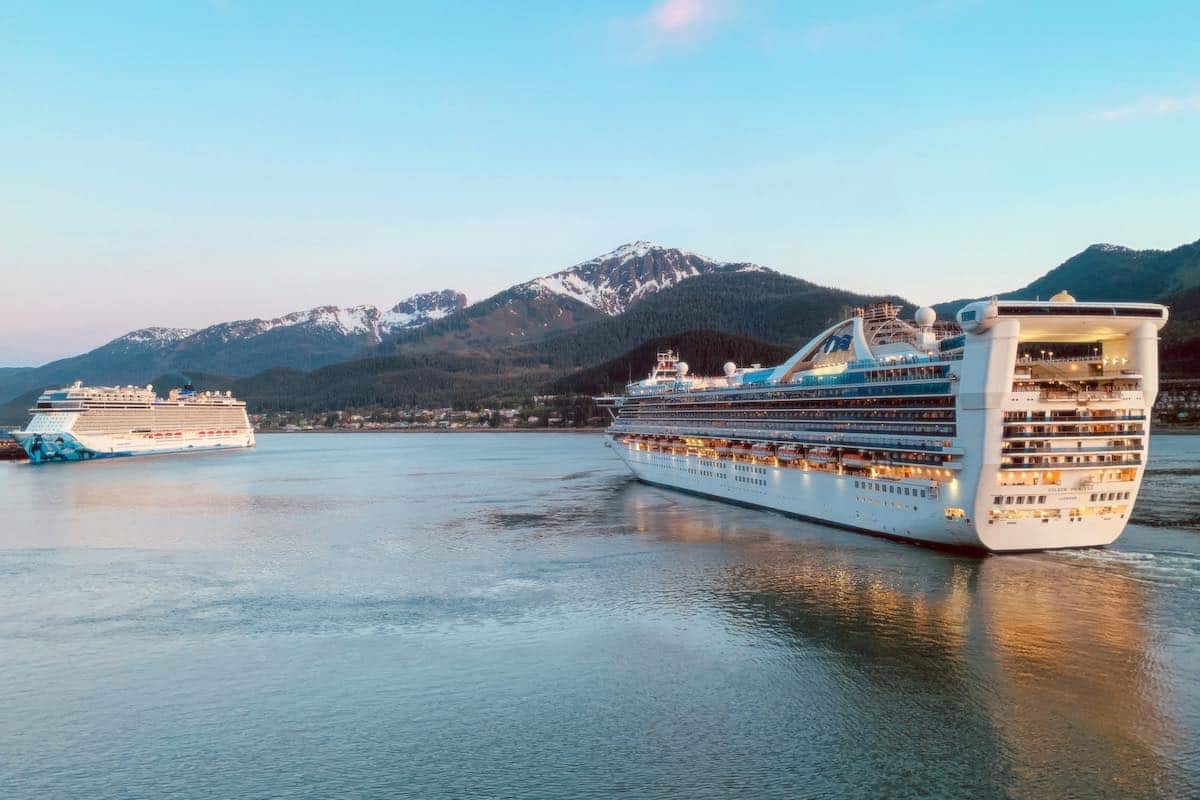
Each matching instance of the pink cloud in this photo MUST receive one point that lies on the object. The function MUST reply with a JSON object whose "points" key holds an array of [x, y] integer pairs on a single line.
{"points": [[668, 26], [684, 19], [670, 16]]}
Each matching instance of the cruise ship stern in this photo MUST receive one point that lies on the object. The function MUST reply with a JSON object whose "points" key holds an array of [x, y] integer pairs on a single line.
{"points": [[1056, 401]]}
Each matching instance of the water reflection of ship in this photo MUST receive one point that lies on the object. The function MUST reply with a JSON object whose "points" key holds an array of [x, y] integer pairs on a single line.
{"points": [[1075, 670], [1030, 676]]}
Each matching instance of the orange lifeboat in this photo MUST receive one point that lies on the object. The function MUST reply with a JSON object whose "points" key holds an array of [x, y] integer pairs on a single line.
{"points": [[855, 460], [789, 452], [762, 450]]}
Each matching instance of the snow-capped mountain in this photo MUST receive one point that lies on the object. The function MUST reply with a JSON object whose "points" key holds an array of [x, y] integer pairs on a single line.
{"points": [[354, 321], [611, 283], [301, 340], [421, 309], [351, 321], [593, 290], [157, 335]]}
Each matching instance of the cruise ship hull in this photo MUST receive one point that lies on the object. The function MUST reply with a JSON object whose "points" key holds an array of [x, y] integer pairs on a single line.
{"points": [[47, 448], [855, 504]]}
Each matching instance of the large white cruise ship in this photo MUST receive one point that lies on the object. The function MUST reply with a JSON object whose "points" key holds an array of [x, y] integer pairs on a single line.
{"points": [[79, 423], [1022, 426]]}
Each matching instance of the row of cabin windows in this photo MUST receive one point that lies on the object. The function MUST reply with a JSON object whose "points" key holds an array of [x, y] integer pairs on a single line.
{"points": [[1082, 415], [890, 488], [1018, 500], [838, 414]]}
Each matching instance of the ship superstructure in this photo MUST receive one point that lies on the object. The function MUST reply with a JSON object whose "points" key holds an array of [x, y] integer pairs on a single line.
{"points": [[1022, 425], [79, 423]]}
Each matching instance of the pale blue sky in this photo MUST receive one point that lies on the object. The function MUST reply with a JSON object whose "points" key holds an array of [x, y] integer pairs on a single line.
{"points": [[184, 163]]}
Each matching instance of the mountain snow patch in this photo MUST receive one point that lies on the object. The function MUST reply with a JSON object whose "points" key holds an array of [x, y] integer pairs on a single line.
{"points": [[614, 281]]}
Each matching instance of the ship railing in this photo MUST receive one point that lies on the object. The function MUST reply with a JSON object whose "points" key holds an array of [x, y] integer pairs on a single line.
{"points": [[1017, 436], [1048, 359], [889, 416], [941, 446], [897, 427], [942, 430], [1060, 465], [901, 361], [742, 448], [856, 377], [1084, 396], [1077, 419], [1071, 450]]}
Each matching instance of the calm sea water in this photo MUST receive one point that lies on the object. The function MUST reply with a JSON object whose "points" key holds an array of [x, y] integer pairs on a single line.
{"points": [[511, 616]]}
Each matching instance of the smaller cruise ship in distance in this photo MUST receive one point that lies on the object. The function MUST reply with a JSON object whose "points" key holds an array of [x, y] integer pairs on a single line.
{"points": [[80, 423], [1020, 425]]}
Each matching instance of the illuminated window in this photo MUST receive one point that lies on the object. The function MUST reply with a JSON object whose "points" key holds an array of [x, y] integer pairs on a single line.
{"points": [[955, 513]]}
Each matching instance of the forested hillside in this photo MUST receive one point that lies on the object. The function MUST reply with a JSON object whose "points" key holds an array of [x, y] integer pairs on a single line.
{"points": [[423, 380], [1110, 272], [763, 305]]}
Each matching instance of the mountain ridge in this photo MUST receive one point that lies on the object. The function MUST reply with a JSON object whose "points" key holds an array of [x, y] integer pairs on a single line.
{"points": [[606, 286], [612, 282], [302, 340], [1115, 272]]}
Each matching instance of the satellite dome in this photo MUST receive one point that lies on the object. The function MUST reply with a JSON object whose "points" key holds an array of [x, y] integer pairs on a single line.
{"points": [[925, 316], [682, 367], [730, 369], [1062, 297]]}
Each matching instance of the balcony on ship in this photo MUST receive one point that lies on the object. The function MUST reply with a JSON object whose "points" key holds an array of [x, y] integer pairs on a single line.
{"points": [[1068, 460], [1074, 371], [880, 463]]}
